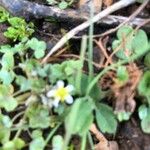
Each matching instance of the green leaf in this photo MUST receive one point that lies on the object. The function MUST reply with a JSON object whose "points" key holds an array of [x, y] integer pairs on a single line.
{"points": [[122, 73], [6, 76], [39, 54], [38, 116], [80, 117], [95, 92], [5, 48], [105, 118], [9, 103], [123, 116], [4, 15], [6, 90], [37, 144], [23, 83], [63, 5], [144, 85], [19, 29], [36, 134], [37, 84], [39, 47], [140, 37], [121, 53], [124, 31], [12, 33], [129, 42], [8, 60], [19, 143], [52, 2], [16, 22], [57, 142], [6, 100], [66, 70], [147, 60], [9, 146], [4, 134], [5, 121], [143, 111], [145, 123]]}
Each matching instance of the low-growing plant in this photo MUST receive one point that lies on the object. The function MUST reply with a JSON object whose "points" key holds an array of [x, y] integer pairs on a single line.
{"points": [[144, 109], [35, 98], [18, 28], [62, 4]]}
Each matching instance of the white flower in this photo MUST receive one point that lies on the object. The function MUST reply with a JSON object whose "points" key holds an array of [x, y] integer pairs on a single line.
{"points": [[59, 93]]}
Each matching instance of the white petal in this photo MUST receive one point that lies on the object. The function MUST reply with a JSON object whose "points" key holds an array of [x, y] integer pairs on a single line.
{"points": [[69, 99], [60, 84], [70, 87], [50, 104], [51, 93], [55, 103], [44, 99]]}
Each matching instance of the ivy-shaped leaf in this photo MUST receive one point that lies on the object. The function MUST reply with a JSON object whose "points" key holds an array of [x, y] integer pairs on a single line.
{"points": [[38, 116], [6, 76], [9, 103], [138, 40], [57, 142], [39, 47], [8, 60], [37, 144], [23, 83], [129, 42]]}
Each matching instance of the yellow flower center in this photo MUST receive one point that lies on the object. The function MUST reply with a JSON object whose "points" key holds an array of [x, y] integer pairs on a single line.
{"points": [[61, 93]]}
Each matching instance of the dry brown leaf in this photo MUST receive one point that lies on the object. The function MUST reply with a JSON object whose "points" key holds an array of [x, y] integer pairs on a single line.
{"points": [[108, 2], [123, 94], [112, 145]]}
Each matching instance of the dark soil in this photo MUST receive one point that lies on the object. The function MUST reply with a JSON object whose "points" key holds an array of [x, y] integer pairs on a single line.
{"points": [[131, 137]]}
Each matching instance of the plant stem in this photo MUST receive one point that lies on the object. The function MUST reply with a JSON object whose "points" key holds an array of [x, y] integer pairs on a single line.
{"points": [[90, 141], [79, 73], [83, 144], [20, 124], [51, 134]]}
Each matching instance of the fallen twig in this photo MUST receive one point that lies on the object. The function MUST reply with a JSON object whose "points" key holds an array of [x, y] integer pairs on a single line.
{"points": [[102, 14], [128, 19], [103, 144]]}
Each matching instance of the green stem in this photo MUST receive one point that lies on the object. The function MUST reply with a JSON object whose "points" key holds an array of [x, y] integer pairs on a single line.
{"points": [[90, 141], [82, 53], [51, 134], [21, 123], [83, 144]]}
